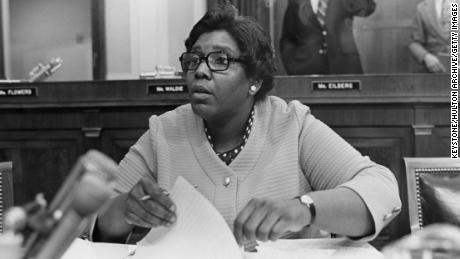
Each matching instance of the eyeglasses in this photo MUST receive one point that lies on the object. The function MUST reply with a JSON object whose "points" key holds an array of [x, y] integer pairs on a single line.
{"points": [[216, 61]]}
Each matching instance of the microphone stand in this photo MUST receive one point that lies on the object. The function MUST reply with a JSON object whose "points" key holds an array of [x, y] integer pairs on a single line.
{"points": [[86, 189]]}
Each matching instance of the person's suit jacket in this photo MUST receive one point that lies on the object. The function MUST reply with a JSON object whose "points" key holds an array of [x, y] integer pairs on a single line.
{"points": [[303, 38], [427, 35]]}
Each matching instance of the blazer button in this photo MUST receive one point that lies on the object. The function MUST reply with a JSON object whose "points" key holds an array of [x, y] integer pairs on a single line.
{"points": [[324, 33], [226, 181], [321, 51]]}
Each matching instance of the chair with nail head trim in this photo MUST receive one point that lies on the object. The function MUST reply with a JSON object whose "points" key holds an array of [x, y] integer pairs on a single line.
{"points": [[6, 189], [433, 187]]}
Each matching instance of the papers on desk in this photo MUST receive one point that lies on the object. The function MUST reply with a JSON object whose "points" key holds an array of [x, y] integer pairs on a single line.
{"points": [[83, 249], [324, 248], [201, 232]]}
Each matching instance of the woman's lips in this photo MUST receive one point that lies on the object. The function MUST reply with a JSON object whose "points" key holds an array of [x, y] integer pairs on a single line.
{"points": [[199, 92]]}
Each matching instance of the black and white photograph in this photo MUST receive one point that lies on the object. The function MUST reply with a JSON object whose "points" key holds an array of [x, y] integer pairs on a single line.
{"points": [[229, 129]]}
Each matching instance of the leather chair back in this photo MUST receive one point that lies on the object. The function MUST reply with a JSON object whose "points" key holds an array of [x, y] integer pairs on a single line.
{"points": [[433, 191]]}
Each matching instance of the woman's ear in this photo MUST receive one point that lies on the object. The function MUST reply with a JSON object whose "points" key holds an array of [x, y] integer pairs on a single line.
{"points": [[254, 88]]}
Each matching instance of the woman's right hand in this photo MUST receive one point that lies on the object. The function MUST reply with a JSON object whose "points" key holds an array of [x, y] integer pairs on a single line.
{"points": [[156, 210], [433, 64]]}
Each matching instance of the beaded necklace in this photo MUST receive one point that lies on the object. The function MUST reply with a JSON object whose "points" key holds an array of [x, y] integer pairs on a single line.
{"points": [[230, 155]]}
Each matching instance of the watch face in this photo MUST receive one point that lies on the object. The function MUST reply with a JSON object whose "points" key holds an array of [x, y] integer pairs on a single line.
{"points": [[306, 199], [309, 203]]}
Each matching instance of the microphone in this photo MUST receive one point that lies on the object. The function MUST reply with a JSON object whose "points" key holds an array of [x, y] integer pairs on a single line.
{"points": [[16, 218], [89, 185]]}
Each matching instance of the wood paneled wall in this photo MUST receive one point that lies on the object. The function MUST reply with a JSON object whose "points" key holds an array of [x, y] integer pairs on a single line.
{"points": [[388, 118], [382, 38]]}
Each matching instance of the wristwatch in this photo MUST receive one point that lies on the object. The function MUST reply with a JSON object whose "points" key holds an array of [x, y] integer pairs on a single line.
{"points": [[308, 201]]}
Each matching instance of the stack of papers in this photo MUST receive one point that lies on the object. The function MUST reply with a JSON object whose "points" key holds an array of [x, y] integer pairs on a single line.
{"points": [[324, 248], [201, 232]]}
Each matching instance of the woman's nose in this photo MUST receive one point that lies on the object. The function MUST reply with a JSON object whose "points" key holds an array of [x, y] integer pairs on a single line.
{"points": [[203, 66], [202, 70]]}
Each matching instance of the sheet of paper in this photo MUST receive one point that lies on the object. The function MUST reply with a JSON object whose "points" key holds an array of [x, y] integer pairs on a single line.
{"points": [[84, 249], [339, 248], [200, 230]]}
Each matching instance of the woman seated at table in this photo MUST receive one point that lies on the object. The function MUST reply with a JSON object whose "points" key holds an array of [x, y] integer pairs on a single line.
{"points": [[269, 167]]}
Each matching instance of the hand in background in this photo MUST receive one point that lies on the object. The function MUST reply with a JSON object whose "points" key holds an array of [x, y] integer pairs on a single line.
{"points": [[439, 240], [361, 8], [433, 64], [147, 205], [264, 219]]}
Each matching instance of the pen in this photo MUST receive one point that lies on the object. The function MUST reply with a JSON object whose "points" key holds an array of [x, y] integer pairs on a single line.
{"points": [[145, 197]]}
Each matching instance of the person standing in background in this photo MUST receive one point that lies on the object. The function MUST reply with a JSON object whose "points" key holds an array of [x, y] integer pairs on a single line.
{"points": [[317, 36], [430, 35]]}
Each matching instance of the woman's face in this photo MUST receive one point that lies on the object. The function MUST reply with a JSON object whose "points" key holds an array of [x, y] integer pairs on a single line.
{"points": [[218, 94]]}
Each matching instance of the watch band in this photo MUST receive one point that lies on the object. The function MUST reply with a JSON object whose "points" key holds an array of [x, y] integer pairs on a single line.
{"points": [[308, 201]]}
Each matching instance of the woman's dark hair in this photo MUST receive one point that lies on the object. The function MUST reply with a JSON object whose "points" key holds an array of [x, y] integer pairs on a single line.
{"points": [[251, 38]]}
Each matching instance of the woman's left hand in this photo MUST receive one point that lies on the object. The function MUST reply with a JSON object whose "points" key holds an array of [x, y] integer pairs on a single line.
{"points": [[265, 219]]}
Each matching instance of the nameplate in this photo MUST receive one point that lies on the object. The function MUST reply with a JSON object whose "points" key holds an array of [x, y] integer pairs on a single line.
{"points": [[18, 91], [336, 85], [166, 89]]}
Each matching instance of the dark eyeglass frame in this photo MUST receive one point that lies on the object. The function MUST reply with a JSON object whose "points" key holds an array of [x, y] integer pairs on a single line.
{"points": [[206, 58]]}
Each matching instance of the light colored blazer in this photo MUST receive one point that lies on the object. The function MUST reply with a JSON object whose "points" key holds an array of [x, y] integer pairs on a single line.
{"points": [[288, 153], [427, 35]]}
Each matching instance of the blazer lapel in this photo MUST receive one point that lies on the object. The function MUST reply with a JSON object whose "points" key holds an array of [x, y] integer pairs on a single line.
{"points": [[246, 162], [211, 164]]}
